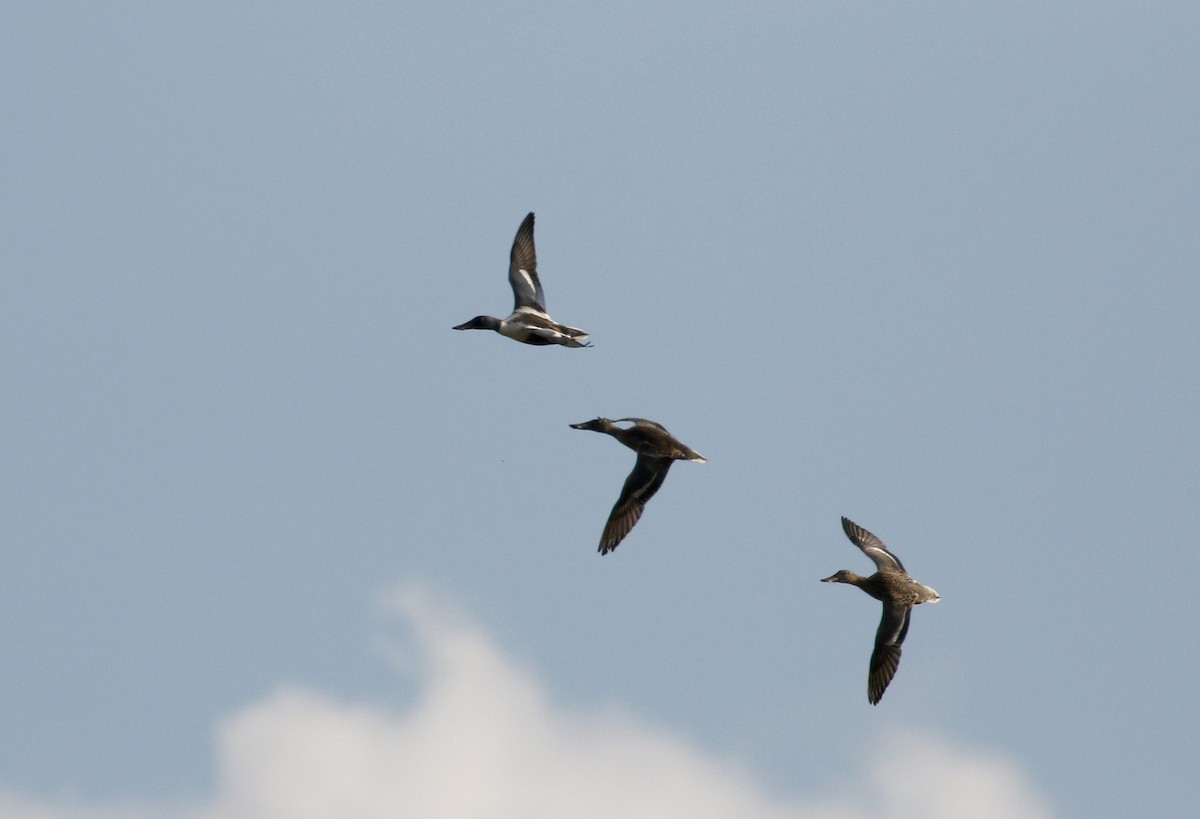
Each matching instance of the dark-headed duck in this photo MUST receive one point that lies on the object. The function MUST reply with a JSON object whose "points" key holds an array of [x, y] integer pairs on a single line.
{"points": [[657, 449], [529, 322]]}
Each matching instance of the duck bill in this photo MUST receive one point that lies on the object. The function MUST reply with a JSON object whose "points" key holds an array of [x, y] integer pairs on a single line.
{"points": [[833, 578]]}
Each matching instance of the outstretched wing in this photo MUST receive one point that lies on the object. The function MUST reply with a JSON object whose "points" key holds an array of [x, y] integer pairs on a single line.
{"points": [[645, 421], [522, 270], [647, 476], [872, 546], [885, 659]]}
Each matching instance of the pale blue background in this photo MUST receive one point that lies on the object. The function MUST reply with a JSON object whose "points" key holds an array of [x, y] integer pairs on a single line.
{"points": [[932, 266]]}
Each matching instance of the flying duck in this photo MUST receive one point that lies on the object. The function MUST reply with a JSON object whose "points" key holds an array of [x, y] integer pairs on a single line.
{"points": [[657, 449], [529, 322], [892, 585]]}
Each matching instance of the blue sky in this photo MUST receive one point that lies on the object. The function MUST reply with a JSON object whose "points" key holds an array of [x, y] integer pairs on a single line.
{"points": [[932, 267]]}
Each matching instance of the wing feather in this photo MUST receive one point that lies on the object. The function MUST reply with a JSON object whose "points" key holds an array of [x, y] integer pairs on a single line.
{"points": [[522, 270], [885, 659], [872, 546], [647, 476]]}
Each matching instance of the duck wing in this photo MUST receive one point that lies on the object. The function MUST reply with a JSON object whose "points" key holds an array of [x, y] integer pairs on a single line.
{"points": [[872, 546], [885, 659], [522, 270], [644, 422], [647, 476]]}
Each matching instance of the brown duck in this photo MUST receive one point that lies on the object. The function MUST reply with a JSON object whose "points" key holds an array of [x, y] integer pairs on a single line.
{"points": [[657, 449], [892, 585]]}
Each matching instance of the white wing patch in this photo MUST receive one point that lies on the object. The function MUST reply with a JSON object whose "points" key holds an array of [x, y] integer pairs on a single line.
{"points": [[526, 286], [884, 555]]}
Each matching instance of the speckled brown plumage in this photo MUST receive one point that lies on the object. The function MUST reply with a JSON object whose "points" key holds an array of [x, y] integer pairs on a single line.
{"points": [[898, 592], [657, 449]]}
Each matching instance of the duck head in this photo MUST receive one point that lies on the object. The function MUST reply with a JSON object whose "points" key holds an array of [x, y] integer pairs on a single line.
{"points": [[480, 323], [595, 425], [842, 576]]}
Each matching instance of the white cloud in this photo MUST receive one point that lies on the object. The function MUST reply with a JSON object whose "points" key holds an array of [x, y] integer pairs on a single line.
{"points": [[924, 776], [485, 742]]}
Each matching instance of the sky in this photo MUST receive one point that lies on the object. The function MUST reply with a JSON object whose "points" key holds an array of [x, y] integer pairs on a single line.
{"points": [[278, 542]]}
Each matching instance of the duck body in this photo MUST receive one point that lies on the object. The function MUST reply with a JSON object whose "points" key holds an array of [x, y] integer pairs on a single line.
{"points": [[898, 592], [529, 326], [657, 449], [529, 322]]}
